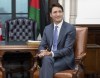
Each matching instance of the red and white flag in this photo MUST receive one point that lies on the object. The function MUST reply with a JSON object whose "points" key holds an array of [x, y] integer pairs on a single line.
{"points": [[0, 32]]}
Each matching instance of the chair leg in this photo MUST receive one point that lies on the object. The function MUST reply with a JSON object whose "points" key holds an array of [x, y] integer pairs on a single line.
{"points": [[26, 74], [31, 74], [8, 75], [23, 74], [80, 74]]}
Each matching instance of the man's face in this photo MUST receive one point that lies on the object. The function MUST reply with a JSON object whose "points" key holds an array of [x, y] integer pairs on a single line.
{"points": [[56, 14]]}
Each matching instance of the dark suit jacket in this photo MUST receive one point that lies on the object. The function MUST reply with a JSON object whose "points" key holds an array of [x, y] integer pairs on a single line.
{"points": [[65, 42]]}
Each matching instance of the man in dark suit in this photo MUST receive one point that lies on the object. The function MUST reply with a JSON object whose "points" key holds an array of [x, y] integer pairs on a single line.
{"points": [[56, 47]]}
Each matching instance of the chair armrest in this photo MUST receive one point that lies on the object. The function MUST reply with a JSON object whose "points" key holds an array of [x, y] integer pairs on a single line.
{"points": [[35, 66], [80, 58], [79, 61], [2, 69]]}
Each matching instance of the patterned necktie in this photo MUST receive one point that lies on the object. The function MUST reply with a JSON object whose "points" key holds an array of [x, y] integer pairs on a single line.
{"points": [[55, 38]]}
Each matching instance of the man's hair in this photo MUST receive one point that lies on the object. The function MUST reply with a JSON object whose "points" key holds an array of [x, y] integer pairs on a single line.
{"points": [[55, 5]]}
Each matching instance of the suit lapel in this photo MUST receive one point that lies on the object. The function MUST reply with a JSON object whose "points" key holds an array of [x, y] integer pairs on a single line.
{"points": [[62, 32], [51, 34]]}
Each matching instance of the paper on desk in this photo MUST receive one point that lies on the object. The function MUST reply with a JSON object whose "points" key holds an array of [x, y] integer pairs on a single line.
{"points": [[31, 42]]}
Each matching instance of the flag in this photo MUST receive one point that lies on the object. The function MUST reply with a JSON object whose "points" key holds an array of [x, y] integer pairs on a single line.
{"points": [[34, 13], [0, 33], [44, 14]]}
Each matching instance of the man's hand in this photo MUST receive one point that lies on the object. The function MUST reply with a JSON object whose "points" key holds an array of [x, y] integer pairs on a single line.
{"points": [[44, 53]]}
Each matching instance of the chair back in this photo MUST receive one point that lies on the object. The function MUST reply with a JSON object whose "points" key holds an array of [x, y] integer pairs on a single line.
{"points": [[81, 40], [20, 29]]}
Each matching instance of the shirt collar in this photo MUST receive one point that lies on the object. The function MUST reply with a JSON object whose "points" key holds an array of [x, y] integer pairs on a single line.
{"points": [[59, 25]]}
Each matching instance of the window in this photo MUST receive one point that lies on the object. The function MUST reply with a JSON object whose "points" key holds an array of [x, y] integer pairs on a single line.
{"points": [[12, 9], [5, 10], [21, 8]]}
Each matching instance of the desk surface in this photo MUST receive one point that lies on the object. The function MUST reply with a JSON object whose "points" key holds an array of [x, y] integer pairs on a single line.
{"points": [[23, 47], [16, 46], [13, 43]]}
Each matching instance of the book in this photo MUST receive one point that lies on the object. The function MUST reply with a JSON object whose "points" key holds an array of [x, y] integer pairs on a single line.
{"points": [[33, 43]]}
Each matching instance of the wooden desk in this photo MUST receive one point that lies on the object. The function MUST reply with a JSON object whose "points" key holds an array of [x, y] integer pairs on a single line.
{"points": [[21, 48], [13, 48]]}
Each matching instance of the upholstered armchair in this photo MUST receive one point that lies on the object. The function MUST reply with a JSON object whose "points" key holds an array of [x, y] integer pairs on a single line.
{"points": [[80, 53], [20, 29]]}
